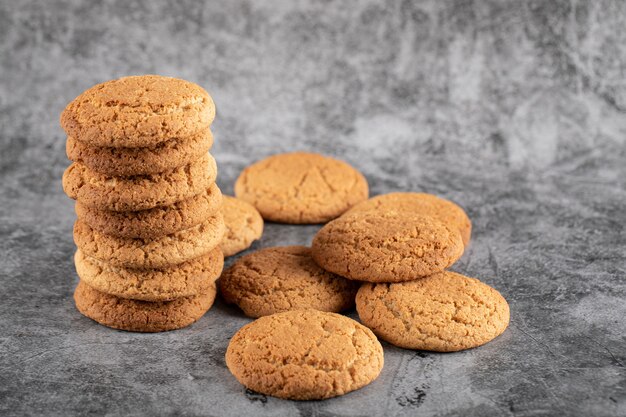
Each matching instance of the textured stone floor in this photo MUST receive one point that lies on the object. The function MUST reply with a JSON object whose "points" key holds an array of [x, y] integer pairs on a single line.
{"points": [[514, 109]]}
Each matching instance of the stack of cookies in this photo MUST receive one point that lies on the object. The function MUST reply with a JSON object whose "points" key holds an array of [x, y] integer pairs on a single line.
{"points": [[149, 212], [151, 241]]}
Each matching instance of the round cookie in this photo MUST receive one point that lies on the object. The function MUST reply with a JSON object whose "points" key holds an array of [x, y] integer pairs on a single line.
{"points": [[163, 157], [422, 204], [444, 312], [243, 223], [386, 246], [138, 111], [301, 187], [156, 222], [184, 280], [141, 316], [304, 355], [284, 278], [139, 192], [158, 253]]}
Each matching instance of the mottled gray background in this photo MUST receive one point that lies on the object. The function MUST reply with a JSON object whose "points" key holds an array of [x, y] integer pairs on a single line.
{"points": [[514, 109]]}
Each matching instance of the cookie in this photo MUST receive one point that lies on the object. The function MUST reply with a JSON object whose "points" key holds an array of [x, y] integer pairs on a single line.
{"points": [[285, 278], [151, 253], [243, 223], [304, 355], [140, 192], [301, 187], [386, 246], [422, 204], [444, 312], [163, 157], [141, 316], [156, 222], [138, 111], [184, 280]]}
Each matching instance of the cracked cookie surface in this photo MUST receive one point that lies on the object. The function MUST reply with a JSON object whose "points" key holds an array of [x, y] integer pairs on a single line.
{"points": [[386, 246], [301, 187], [156, 222], [163, 157], [444, 312], [139, 192], [304, 355], [243, 223], [165, 251], [421, 204], [184, 280], [285, 278], [141, 316], [138, 111]]}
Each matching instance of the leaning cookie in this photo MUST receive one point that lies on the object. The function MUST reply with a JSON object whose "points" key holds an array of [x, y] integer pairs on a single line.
{"points": [[284, 278], [139, 192], [156, 222], [304, 355], [444, 312], [184, 280], [138, 111], [163, 252], [162, 157], [301, 187], [422, 204], [243, 223], [141, 316], [386, 246]]}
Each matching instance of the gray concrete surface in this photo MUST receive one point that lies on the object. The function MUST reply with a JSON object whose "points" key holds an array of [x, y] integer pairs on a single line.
{"points": [[514, 109]]}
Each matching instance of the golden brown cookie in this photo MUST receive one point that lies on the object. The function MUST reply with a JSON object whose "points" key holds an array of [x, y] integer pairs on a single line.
{"points": [[140, 192], [138, 111], [165, 251], [304, 355], [444, 312], [285, 278], [163, 157], [243, 223], [156, 222], [386, 246], [301, 187], [184, 280], [422, 204], [141, 316]]}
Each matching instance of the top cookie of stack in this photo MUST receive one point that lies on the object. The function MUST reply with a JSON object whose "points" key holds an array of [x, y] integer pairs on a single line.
{"points": [[149, 212]]}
